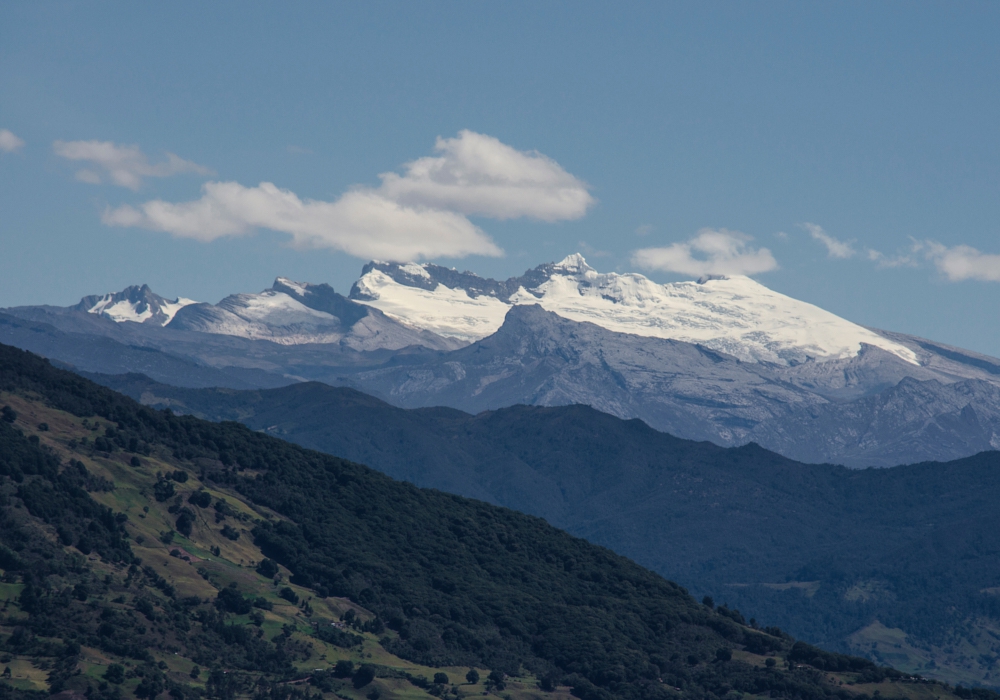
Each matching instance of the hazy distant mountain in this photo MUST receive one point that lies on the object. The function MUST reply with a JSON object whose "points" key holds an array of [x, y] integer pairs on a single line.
{"points": [[726, 360], [285, 334], [871, 409]]}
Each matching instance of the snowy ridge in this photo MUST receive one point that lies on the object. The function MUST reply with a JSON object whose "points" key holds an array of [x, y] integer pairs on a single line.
{"points": [[735, 315], [135, 305]]}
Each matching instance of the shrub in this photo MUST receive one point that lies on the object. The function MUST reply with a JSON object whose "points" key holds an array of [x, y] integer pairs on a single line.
{"points": [[202, 499]]}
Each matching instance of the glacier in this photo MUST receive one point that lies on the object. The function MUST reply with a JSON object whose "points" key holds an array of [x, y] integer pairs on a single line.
{"points": [[736, 315]]}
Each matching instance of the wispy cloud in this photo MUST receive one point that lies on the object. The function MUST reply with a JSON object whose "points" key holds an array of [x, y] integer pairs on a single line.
{"points": [[909, 258], [644, 230], [962, 262], [834, 248], [478, 174], [361, 223], [417, 215], [9, 142], [125, 166], [710, 252]]}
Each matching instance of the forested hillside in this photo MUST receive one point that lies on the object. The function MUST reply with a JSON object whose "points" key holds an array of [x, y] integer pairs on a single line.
{"points": [[900, 565], [158, 553]]}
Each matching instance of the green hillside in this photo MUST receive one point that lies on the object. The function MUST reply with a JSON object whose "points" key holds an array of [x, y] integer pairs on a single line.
{"points": [[145, 554]]}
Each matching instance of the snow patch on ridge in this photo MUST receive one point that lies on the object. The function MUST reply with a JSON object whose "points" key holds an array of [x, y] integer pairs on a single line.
{"points": [[735, 315], [123, 310], [451, 313]]}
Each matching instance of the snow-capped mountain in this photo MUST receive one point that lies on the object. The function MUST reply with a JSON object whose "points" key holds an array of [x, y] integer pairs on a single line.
{"points": [[288, 313], [734, 315], [726, 360], [134, 304]]}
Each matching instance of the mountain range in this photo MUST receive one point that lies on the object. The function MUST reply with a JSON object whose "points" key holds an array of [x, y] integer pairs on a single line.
{"points": [[721, 359]]}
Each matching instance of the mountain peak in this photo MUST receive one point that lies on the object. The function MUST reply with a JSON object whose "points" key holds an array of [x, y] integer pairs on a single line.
{"points": [[135, 304], [574, 263], [283, 284]]}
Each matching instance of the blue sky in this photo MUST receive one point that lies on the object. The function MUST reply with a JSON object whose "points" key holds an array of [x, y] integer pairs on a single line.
{"points": [[844, 153]]}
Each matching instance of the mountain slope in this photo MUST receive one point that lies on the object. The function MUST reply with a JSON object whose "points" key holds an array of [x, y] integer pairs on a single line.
{"points": [[294, 313], [814, 411], [455, 581], [914, 548]]}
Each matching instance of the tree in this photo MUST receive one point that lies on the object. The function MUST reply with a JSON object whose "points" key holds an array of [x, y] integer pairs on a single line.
{"points": [[115, 674], [185, 521], [151, 685], [723, 654], [441, 678], [7, 414], [708, 602], [344, 669], [496, 679], [363, 676], [472, 676], [267, 567]]}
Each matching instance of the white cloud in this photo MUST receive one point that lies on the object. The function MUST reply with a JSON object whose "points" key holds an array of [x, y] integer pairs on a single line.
{"points": [[478, 174], [124, 165], [362, 223], [419, 214], [834, 248], [962, 262], [711, 252], [9, 142], [644, 230], [882, 260]]}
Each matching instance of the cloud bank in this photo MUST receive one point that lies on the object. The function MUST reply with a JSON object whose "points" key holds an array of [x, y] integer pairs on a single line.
{"points": [[710, 252], [417, 215], [9, 142], [125, 166]]}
